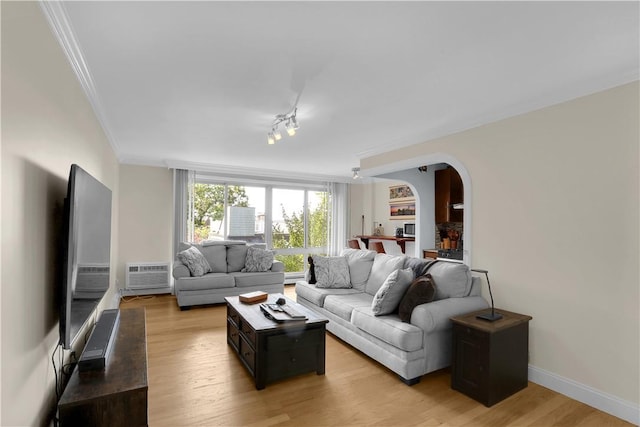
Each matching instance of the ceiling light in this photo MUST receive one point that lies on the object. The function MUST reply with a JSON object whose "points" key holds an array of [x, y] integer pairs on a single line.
{"points": [[290, 124], [356, 174], [290, 129], [271, 139]]}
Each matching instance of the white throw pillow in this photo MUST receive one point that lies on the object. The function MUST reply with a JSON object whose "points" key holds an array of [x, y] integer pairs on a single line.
{"points": [[331, 272], [388, 297]]}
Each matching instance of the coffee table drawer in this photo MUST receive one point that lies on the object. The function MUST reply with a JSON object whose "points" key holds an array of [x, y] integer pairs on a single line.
{"points": [[283, 364], [233, 315], [248, 332], [248, 354], [233, 334], [294, 340]]}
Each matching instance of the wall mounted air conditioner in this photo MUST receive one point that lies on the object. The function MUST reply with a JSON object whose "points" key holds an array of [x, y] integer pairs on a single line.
{"points": [[147, 277]]}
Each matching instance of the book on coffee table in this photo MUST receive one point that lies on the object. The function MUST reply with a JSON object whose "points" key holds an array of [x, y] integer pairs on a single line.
{"points": [[253, 297]]}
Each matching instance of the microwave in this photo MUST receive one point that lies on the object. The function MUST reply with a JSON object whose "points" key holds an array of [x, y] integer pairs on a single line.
{"points": [[409, 229]]}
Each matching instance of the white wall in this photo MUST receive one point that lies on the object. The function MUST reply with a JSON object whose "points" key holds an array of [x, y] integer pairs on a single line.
{"points": [[146, 216], [556, 223], [47, 124]]}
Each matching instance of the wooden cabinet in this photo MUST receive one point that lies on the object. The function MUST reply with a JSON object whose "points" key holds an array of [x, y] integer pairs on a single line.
{"points": [[430, 253], [449, 191], [117, 395], [490, 359]]}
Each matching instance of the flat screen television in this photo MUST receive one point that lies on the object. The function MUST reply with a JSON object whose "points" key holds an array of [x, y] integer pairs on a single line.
{"points": [[86, 252]]}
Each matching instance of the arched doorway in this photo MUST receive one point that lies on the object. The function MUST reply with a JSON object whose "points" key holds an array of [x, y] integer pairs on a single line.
{"points": [[423, 188]]}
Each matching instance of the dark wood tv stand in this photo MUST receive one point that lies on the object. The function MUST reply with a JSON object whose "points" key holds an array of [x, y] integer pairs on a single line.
{"points": [[116, 395]]}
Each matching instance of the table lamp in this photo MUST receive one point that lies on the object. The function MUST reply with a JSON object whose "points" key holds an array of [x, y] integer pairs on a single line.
{"points": [[492, 316]]}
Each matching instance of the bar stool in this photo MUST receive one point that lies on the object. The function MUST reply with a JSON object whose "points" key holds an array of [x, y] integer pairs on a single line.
{"points": [[378, 247], [353, 243]]}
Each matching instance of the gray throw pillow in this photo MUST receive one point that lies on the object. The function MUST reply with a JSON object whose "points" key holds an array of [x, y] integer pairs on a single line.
{"points": [[195, 261], [388, 297], [331, 272], [258, 260]]}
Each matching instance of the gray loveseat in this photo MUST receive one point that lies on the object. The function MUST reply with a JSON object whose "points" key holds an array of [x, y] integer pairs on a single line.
{"points": [[409, 349], [227, 261]]}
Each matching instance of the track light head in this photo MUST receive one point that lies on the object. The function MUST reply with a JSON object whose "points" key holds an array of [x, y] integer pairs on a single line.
{"points": [[356, 173], [291, 130]]}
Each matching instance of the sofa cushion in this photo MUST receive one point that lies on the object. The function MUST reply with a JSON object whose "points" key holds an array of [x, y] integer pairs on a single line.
{"points": [[317, 295], [383, 266], [421, 291], [343, 305], [452, 279], [389, 329], [258, 260], [195, 261], [208, 281], [216, 257], [236, 257], [360, 262], [331, 272], [243, 280], [388, 297]]}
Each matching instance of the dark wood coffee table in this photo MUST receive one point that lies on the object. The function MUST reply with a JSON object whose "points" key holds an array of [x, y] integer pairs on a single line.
{"points": [[272, 351]]}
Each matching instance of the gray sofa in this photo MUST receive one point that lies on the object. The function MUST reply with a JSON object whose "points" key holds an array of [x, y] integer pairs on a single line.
{"points": [[227, 260], [409, 349]]}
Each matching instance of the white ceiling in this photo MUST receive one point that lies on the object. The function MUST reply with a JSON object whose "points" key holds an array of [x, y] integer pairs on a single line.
{"points": [[197, 84]]}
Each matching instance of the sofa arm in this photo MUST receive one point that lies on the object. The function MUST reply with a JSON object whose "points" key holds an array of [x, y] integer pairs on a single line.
{"points": [[435, 315], [180, 270], [277, 266]]}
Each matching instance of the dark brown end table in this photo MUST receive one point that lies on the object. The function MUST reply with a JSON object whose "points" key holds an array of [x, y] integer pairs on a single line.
{"points": [[273, 351], [116, 395], [490, 359]]}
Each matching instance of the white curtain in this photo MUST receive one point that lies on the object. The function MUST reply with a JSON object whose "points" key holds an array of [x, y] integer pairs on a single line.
{"points": [[339, 217], [183, 181]]}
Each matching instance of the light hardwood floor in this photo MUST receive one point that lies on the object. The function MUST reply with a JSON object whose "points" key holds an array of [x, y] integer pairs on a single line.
{"points": [[196, 380]]}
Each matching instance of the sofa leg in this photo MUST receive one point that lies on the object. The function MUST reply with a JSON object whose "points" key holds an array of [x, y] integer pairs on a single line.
{"points": [[185, 307], [412, 381]]}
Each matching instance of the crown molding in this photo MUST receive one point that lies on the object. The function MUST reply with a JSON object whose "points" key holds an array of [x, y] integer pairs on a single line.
{"points": [[56, 15], [228, 170]]}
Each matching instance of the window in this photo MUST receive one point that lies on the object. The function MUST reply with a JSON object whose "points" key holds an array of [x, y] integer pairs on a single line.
{"points": [[292, 221]]}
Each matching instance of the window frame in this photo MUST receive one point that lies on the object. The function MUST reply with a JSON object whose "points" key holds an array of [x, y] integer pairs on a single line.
{"points": [[269, 186]]}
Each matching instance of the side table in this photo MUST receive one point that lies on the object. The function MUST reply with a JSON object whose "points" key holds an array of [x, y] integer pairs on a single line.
{"points": [[490, 359]]}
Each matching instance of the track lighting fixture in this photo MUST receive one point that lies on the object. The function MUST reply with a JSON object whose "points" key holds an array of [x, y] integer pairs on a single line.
{"points": [[356, 173], [290, 124]]}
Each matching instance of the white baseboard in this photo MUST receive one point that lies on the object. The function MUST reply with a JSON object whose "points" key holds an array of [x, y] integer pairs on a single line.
{"points": [[136, 292], [608, 403]]}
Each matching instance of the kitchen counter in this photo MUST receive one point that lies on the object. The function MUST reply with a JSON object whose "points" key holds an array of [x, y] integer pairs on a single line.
{"points": [[399, 240]]}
